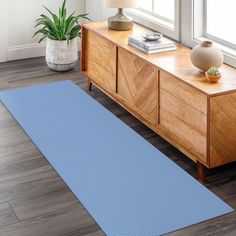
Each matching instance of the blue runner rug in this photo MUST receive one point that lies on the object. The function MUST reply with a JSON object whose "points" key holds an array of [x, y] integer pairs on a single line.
{"points": [[126, 184]]}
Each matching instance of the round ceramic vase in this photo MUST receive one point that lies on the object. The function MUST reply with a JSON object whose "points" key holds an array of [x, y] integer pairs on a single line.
{"points": [[61, 55], [205, 55]]}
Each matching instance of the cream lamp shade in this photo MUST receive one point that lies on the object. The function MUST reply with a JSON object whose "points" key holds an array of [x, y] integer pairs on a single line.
{"points": [[121, 3]]}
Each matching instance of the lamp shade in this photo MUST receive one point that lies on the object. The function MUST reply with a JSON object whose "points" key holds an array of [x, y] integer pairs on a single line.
{"points": [[121, 3]]}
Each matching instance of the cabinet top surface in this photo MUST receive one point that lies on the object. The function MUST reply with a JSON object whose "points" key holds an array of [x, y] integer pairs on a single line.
{"points": [[177, 62]]}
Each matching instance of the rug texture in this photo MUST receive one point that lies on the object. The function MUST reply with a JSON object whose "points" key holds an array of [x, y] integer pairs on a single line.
{"points": [[126, 184]]}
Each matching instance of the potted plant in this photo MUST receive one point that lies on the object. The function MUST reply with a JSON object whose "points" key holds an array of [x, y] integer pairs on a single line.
{"points": [[213, 75], [61, 33]]}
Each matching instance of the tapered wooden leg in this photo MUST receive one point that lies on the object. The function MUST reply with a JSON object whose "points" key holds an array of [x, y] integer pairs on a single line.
{"points": [[89, 85], [201, 172]]}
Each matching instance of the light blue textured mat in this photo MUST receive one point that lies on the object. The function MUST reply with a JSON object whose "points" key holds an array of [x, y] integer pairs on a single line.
{"points": [[126, 184]]}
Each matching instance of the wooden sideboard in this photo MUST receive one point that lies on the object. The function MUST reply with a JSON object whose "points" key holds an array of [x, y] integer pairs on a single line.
{"points": [[166, 92]]}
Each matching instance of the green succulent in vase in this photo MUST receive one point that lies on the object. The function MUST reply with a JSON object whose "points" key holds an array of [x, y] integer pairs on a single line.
{"points": [[213, 71], [213, 75]]}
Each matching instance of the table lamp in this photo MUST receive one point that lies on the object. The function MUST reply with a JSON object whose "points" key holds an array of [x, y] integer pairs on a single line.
{"points": [[120, 21]]}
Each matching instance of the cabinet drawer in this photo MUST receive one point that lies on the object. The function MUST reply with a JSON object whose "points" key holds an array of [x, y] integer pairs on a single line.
{"points": [[184, 92], [138, 84], [107, 62], [187, 124], [100, 76], [103, 44]]}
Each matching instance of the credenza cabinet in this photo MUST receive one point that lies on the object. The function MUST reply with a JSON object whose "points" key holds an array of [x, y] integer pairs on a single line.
{"points": [[166, 93]]}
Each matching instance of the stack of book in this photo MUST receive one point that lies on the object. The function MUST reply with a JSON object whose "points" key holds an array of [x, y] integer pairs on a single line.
{"points": [[149, 47]]}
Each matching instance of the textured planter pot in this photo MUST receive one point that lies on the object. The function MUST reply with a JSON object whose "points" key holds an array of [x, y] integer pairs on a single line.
{"points": [[205, 55], [212, 79], [61, 55]]}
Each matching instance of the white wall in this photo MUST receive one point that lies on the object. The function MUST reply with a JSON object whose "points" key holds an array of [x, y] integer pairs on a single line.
{"points": [[19, 20], [97, 11], [3, 30]]}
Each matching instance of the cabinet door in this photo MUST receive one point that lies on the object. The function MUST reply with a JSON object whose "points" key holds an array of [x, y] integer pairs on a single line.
{"points": [[138, 84], [187, 125], [100, 61], [184, 92]]}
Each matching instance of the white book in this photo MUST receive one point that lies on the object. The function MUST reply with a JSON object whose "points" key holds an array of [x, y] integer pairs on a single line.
{"points": [[161, 46], [166, 49], [142, 42]]}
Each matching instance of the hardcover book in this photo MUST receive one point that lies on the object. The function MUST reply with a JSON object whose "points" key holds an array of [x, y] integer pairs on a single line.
{"points": [[151, 51], [150, 45]]}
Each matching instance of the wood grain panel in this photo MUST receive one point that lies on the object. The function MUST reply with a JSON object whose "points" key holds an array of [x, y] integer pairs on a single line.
{"points": [[31, 186], [73, 221], [177, 63], [29, 207], [220, 226], [21, 168], [222, 130], [187, 123], [7, 215], [20, 152], [107, 62], [138, 84], [100, 76], [101, 43], [184, 92]]}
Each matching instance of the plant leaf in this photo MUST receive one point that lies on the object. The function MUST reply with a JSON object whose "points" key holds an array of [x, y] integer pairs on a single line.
{"points": [[59, 27]]}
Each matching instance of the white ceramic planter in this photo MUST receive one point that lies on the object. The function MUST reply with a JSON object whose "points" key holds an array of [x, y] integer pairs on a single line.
{"points": [[205, 55], [61, 55]]}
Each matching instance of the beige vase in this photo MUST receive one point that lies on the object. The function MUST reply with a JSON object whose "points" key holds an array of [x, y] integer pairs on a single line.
{"points": [[205, 55]]}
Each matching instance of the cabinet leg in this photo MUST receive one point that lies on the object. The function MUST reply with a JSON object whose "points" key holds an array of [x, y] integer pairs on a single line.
{"points": [[89, 85], [201, 172]]}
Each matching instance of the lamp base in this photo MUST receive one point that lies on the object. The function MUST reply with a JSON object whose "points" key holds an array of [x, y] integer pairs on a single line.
{"points": [[120, 21]]}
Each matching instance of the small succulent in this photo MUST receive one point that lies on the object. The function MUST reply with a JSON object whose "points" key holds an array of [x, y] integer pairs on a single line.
{"points": [[213, 71]]}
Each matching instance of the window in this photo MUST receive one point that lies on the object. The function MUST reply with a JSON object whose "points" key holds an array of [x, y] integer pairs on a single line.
{"points": [[219, 21], [192, 21], [164, 10], [161, 15], [213, 20]]}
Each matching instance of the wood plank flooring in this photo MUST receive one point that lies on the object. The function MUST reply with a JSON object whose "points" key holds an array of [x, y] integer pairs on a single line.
{"points": [[34, 201]]}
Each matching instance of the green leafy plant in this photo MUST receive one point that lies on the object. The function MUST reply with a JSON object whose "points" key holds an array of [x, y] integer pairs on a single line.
{"points": [[59, 27], [213, 71]]}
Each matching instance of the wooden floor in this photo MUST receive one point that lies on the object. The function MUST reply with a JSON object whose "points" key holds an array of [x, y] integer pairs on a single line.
{"points": [[35, 201]]}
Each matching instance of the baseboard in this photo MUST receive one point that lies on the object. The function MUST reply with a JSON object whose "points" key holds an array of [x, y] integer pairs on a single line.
{"points": [[29, 51], [25, 51]]}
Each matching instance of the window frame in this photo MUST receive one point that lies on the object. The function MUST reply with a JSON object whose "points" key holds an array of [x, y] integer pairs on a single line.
{"points": [[192, 29], [211, 36], [157, 22], [155, 14], [188, 28]]}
